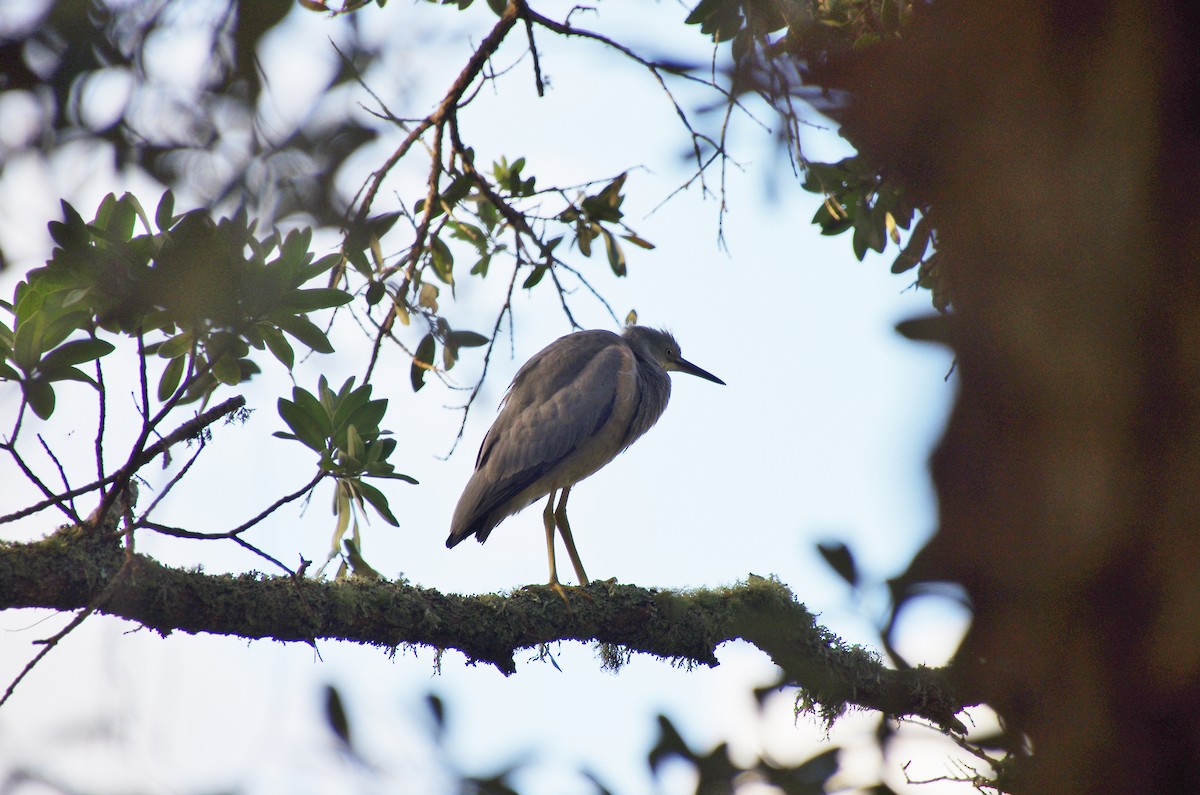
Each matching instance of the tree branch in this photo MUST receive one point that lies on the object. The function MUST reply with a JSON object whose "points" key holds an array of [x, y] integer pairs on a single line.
{"points": [[69, 569]]}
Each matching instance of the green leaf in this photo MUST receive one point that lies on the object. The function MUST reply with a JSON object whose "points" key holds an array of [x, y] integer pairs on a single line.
{"points": [[346, 406], [859, 243], [67, 374], [278, 345], [227, 369], [397, 476], [424, 356], [311, 300], [306, 427], [40, 397], [831, 222], [120, 221], [914, 250], [584, 234], [163, 217], [358, 258], [355, 450], [378, 501], [443, 260], [176, 346], [75, 352], [139, 211], [639, 242], [470, 233], [28, 340], [71, 233], [366, 418], [376, 227], [323, 265], [358, 565], [870, 231], [616, 257], [306, 331], [169, 381], [535, 277]]}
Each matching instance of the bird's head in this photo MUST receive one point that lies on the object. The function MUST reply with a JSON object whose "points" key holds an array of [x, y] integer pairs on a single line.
{"points": [[661, 347]]}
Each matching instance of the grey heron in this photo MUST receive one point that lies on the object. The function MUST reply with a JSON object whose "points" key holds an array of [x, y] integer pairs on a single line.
{"points": [[570, 410]]}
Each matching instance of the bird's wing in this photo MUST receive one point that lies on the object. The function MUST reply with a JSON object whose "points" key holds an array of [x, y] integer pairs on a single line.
{"points": [[560, 398]]}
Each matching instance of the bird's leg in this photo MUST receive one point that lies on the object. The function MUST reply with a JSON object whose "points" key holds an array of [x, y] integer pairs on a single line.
{"points": [[548, 519], [560, 518]]}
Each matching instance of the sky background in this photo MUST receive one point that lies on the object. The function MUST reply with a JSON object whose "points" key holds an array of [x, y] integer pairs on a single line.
{"points": [[822, 433]]}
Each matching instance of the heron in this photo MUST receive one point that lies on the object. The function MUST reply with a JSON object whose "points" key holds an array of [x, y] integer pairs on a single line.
{"points": [[570, 410]]}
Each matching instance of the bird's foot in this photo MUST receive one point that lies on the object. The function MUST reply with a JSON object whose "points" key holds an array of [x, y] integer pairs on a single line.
{"points": [[561, 590]]}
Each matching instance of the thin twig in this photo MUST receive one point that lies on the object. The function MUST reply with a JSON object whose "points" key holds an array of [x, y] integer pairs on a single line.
{"points": [[51, 499], [174, 480], [179, 532], [187, 430], [102, 399], [537, 66], [449, 102], [62, 474]]}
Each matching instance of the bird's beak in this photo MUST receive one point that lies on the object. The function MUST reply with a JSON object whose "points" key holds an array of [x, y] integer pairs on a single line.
{"points": [[684, 366]]}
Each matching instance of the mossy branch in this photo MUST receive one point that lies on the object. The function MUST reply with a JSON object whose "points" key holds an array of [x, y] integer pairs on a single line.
{"points": [[70, 569]]}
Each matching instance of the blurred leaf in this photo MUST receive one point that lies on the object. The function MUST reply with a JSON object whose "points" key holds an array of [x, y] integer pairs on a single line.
{"points": [[316, 298], [358, 564], [443, 260], [424, 356], [179, 345], [668, 745], [616, 257], [930, 328], [481, 265], [466, 339], [375, 292], [438, 710], [280, 348], [535, 276], [841, 560], [914, 250], [427, 297], [639, 242], [335, 715]]}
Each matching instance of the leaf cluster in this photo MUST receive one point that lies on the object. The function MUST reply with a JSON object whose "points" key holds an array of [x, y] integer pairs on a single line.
{"points": [[343, 428], [213, 289]]}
